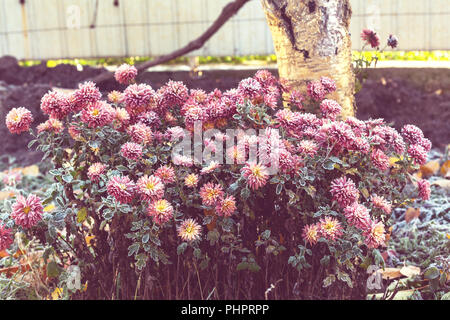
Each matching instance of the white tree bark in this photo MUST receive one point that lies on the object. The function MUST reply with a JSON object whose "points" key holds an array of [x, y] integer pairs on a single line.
{"points": [[312, 39]]}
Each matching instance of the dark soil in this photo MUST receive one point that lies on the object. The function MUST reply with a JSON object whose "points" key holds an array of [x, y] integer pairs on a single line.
{"points": [[417, 96]]}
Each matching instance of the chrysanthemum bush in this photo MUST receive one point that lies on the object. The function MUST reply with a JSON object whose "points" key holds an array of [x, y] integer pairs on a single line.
{"points": [[143, 222]]}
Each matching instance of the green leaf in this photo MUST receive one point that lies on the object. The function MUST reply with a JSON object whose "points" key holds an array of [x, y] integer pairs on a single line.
{"points": [[378, 257], [328, 165], [446, 296], [145, 238], [181, 248], [53, 270], [242, 266], [345, 278], [325, 261], [279, 188], [245, 193], [265, 235], [197, 253], [67, 178], [81, 215], [328, 281], [133, 249], [431, 273]]}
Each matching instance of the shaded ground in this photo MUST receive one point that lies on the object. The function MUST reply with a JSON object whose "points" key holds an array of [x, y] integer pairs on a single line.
{"points": [[417, 96]]}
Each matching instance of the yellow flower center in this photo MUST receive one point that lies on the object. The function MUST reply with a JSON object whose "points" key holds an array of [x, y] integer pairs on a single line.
{"points": [[329, 226], [257, 171], [161, 206], [122, 186], [95, 112], [26, 210], [150, 186]]}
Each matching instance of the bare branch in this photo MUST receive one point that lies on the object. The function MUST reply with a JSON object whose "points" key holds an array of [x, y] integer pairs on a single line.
{"points": [[227, 12]]}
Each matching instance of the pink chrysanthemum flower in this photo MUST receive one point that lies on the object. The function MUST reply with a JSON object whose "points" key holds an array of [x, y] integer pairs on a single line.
{"points": [[271, 100], [392, 41], [166, 174], [115, 96], [344, 191], [138, 98], [412, 134], [287, 118], [418, 154], [131, 151], [150, 188], [191, 180], [27, 212], [97, 114], [250, 88], [125, 74], [330, 228], [424, 189], [74, 132], [56, 104], [121, 116], [175, 133], [184, 161], [18, 120], [256, 175], [375, 235], [189, 230], [357, 215], [361, 145], [140, 133], [6, 237], [328, 84], [370, 37], [426, 144], [311, 233], [211, 193], [51, 125], [296, 99], [316, 90], [381, 203], [161, 211], [379, 159], [87, 93], [265, 78], [308, 148], [95, 170], [330, 109], [149, 118], [226, 206], [193, 114], [338, 134], [213, 165], [173, 93], [121, 188]]}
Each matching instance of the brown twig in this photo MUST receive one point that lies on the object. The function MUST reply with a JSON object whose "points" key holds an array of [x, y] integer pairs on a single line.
{"points": [[227, 12]]}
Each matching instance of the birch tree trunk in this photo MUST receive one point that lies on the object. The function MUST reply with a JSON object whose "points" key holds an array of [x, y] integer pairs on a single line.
{"points": [[312, 39]]}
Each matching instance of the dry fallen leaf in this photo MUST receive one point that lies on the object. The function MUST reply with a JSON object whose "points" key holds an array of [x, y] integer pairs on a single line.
{"points": [[410, 271], [430, 168], [6, 194], [31, 171], [445, 169], [411, 213], [391, 273], [443, 183]]}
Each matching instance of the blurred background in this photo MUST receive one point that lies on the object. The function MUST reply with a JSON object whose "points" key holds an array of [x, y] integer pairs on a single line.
{"points": [[54, 29]]}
